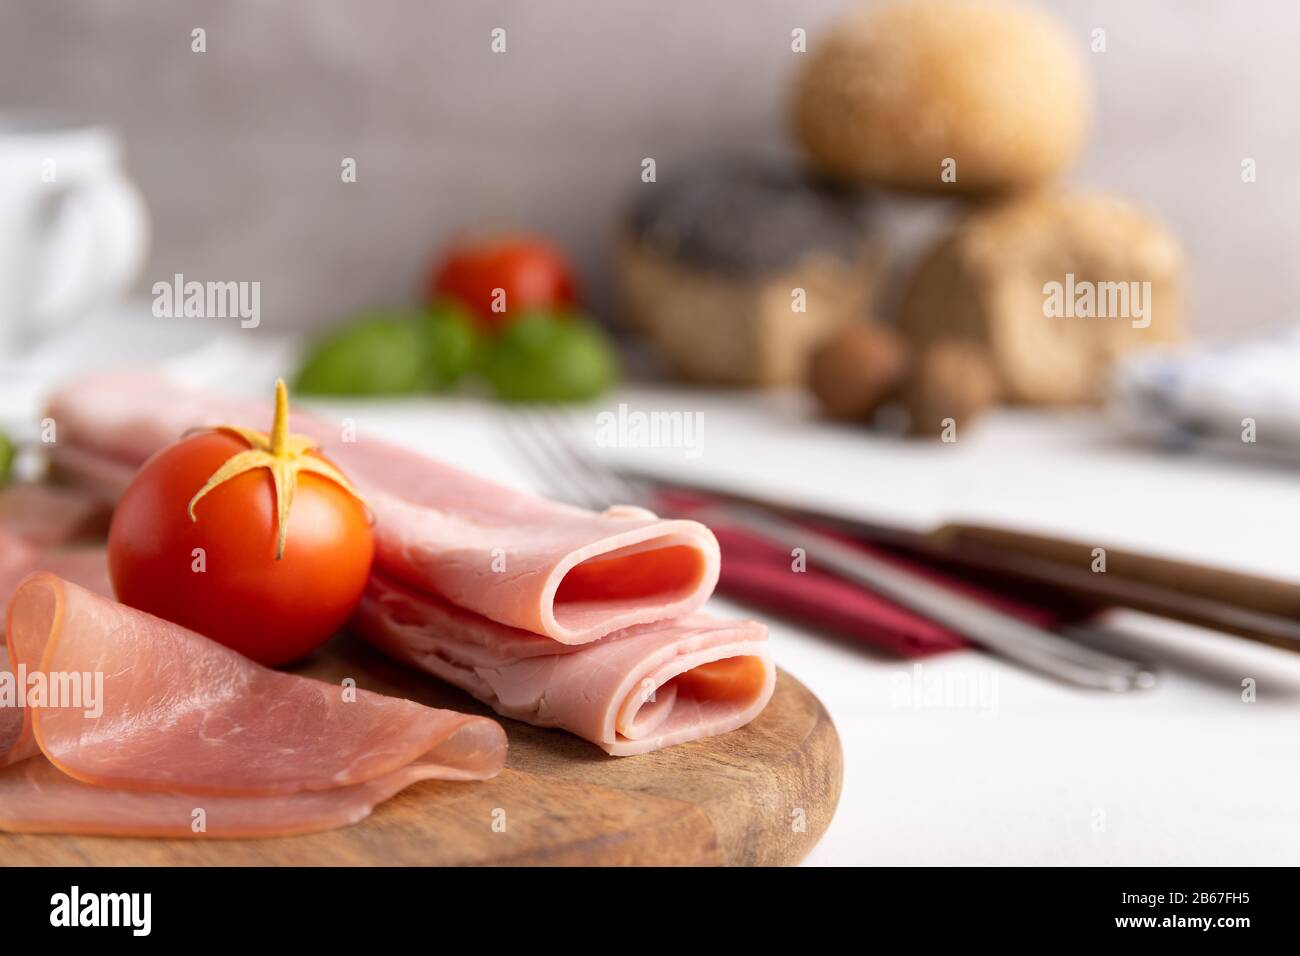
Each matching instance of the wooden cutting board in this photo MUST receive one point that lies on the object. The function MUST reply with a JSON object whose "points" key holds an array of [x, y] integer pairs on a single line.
{"points": [[763, 795]]}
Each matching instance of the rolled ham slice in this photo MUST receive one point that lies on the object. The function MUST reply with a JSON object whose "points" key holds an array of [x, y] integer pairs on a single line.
{"points": [[639, 689], [566, 573], [186, 724]]}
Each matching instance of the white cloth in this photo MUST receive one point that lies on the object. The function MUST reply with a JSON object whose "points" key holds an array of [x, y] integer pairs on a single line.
{"points": [[1213, 392]]}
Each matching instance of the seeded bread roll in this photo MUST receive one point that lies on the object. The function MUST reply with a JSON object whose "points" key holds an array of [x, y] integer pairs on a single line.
{"points": [[1017, 278], [899, 88], [709, 263]]}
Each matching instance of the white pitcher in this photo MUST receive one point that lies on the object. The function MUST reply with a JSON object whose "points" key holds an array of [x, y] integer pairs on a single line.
{"points": [[73, 228]]}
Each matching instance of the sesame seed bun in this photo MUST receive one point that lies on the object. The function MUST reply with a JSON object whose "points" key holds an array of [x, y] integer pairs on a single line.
{"points": [[900, 88]]}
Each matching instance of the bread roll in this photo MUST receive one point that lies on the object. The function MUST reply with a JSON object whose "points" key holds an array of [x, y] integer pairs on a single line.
{"points": [[1018, 277], [896, 90], [709, 263]]}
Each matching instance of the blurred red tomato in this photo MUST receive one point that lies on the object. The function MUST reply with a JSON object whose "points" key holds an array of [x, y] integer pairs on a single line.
{"points": [[503, 277]]}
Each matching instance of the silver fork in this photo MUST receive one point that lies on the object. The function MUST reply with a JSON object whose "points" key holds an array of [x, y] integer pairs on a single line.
{"points": [[544, 440]]}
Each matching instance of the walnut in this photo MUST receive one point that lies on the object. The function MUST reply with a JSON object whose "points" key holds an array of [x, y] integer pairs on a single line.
{"points": [[950, 380], [856, 369]]}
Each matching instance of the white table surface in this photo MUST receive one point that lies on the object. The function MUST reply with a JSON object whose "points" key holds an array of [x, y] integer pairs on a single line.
{"points": [[963, 759]]}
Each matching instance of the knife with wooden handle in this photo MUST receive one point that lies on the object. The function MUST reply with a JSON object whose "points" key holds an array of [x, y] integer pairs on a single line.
{"points": [[1261, 609], [1256, 608]]}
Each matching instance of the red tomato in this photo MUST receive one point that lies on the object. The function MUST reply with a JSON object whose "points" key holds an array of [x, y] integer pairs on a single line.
{"points": [[531, 273], [235, 590]]}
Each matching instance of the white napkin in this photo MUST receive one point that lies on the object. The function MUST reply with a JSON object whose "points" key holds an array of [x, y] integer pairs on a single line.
{"points": [[1220, 392]]}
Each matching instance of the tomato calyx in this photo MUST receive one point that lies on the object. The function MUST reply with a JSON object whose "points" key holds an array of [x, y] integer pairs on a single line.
{"points": [[281, 453]]}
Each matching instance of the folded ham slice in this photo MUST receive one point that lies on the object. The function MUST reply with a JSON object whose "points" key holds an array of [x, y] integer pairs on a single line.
{"points": [[86, 565], [640, 689], [569, 574], [39, 527], [37, 797], [45, 514], [185, 724], [551, 614]]}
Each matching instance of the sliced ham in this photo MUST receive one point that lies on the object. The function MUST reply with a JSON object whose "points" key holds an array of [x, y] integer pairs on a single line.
{"points": [[83, 565], [86, 565], [569, 574], [36, 797], [188, 724], [39, 525], [45, 514], [551, 614], [640, 689], [98, 475]]}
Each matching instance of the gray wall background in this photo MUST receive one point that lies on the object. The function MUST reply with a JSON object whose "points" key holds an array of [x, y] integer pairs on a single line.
{"points": [[238, 149]]}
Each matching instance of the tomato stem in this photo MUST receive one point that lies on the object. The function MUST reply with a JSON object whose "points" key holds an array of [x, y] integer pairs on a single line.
{"points": [[284, 455], [280, 424]]}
